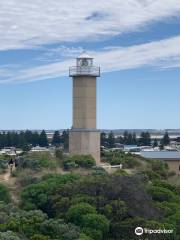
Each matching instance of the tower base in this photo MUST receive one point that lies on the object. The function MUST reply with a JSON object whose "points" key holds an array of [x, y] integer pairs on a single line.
{"points": [[85, 142]]}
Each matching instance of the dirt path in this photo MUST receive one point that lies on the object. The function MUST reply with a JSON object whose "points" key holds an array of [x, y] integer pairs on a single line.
{"points": [[7, 176]]}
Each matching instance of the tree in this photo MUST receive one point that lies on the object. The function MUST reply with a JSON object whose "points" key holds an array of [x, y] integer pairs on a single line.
{"points": [[28, 136], [22, 140], [145, 139], [134, 138], [56, 138], [111, 140], [96, 225], [43, 141], [8, 139], [125, 137], [35, 139], [75, 213], [129, 139], [165, 140], [65, 139], [103, 139], [155, 143]]}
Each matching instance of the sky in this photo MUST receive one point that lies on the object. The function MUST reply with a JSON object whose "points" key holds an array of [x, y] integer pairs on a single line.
{"points": [[135, 42]]}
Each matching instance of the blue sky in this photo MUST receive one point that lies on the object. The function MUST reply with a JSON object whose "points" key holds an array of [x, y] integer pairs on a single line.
{"points": [[136, 43]]}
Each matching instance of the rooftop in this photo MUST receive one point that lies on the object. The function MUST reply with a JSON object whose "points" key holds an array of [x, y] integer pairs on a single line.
{"points": [[160, 154]]}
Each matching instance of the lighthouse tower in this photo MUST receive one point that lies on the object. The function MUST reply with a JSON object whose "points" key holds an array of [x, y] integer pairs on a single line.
{"points": [[84, 137]]}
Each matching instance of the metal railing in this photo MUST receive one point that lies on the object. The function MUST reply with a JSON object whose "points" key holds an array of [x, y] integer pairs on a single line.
{"points": [[84, 71]]}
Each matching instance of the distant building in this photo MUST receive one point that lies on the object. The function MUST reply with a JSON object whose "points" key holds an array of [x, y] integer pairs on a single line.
{"points": [[39, 149], [172, 158]]}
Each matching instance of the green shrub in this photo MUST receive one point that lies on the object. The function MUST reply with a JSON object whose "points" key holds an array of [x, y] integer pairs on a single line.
{"points": [[37, 161], [26, 179], [84, 237], [40, 237], [84, 161], [96, 221], [98, 171], [3, 165], [68, 164], [4, 194], [76, 212], [159, 167], [151, 175], [59, 154], [161, 194], [39, 195], [119, 157], [8, 236]]}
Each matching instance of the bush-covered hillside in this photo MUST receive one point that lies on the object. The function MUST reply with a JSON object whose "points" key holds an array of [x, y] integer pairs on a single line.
{"points": [[96, 206]]}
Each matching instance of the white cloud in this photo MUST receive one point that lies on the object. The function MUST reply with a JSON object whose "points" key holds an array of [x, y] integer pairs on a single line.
{"points": [[29, 23], [161, 54]]}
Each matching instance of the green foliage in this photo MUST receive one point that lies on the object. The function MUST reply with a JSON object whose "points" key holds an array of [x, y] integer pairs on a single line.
{"points": [[75, 213], [84, 237], [111, 140], [8, 236], [85, 216], [37, 161], [155, 143], [35, 225], [162, 194], [65, 139], [4, 194], [56, 138], [151, 175], [96, 222], [119, 157], [43, 141], [25, 178], [20, 140], [38, 196], [3, 163], [159, 167], [129, 139], [59, 154], [98, 171], [98, 206], [56, 228], [84, 161], [145, 139], [165, 140]]}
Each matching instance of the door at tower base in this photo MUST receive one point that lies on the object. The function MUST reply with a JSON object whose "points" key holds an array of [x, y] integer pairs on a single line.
{"points": [[85, 143]]}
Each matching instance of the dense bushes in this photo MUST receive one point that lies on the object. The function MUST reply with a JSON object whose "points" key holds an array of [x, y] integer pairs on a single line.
{"points": [[9, 235], [4, 194], [34, 225], [3, 163], [97, 206], [89, 201], [119, 157], [161, 194], [37, 161], [38, 196], [84, 161], [76, 212], [86, 216], [159, 167]]}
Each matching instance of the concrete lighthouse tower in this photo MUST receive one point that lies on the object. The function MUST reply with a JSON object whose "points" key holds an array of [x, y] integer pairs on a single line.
{"points": [[84, 138]]}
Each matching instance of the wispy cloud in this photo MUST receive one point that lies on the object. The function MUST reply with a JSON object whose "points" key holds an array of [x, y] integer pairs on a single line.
{"points": [[27, 24], [164, 53]]}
